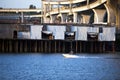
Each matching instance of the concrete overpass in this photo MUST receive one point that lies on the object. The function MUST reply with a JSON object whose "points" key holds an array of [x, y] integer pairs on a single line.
{"points": [[110, 11], [80, 14], [19, 10], [63, 2], [22, 12]]}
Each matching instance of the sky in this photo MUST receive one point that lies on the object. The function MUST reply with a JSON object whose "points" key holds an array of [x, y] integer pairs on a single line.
{"points": [[19, 3]]}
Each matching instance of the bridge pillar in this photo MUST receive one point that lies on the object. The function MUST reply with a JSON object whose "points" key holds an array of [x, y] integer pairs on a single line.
{"points": [[63, 18], [115, 5], [85, 19], [60, 16], [111, 14], [75, 17], [22, 17], [69, 18], [99, 15], [118, 17], [53, 18], [79, 18], [47, 19]]}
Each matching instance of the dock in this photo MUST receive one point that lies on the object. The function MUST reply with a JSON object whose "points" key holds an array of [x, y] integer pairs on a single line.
{"points": [[54, 46]]}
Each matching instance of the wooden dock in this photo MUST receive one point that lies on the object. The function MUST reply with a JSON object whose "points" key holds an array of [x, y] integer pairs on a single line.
{"points": [[54, 46]]}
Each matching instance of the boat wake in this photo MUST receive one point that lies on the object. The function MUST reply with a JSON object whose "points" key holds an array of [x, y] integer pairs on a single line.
{"points": [[70, 56], [79, 56]]}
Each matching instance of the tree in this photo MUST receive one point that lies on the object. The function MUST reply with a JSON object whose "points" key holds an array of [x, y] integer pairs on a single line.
{"points": [[1, 8], [32, 6]]}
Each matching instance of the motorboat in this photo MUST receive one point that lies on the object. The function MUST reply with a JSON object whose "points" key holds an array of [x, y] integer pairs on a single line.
{"points": [[70, 56]]}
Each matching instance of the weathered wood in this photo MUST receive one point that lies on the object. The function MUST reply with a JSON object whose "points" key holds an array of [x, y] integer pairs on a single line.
{"points": [[55, 46]]}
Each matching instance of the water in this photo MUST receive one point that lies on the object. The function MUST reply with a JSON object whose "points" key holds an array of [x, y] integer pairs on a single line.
{"points": [[56, 67]]}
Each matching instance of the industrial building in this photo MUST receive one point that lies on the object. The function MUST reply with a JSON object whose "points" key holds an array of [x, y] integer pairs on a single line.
{"points": [[62, 26]]}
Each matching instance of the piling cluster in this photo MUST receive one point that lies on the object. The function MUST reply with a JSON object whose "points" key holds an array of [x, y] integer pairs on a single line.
{"points": [[54, 46]]}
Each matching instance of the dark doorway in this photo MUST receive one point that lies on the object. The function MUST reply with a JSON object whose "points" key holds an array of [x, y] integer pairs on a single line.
{"points": [[14, 34]]}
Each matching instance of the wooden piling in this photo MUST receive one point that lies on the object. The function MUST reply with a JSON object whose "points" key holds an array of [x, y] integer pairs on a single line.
{"points": [[10, 46], [3, 45], [21, 46], [100, 47], [113, 47], [95, 47], [16, 46], [91, 48], [0, 46], [80, 47], [49, 46], [59, 46], [38, 46], [41, 45], [55, 46], [6, 45], [35, 46], [25, 46], [76, 47], [45, 46]]}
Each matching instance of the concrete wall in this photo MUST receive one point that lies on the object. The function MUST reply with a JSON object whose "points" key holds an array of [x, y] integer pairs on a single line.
{"points": [[7, 30]]}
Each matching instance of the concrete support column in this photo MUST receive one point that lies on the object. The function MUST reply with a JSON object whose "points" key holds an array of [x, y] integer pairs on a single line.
{"points": [[63, 17], [50, 7], [118, 17], [111, 14], [79, 18], [85, 19], [99, 15], [44, 13], [52, 18], [59, 16], [115, 5], [47, 20], [88, 4], [100, 1], [75, 17], [22, 17], [46, 9]]}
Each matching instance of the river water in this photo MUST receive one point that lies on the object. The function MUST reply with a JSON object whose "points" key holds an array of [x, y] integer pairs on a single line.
{"points": [[37, 66]]}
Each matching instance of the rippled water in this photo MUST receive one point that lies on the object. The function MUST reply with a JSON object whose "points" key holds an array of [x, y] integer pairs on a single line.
{"points": [[56, 67]]}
